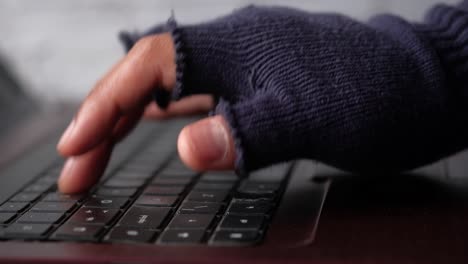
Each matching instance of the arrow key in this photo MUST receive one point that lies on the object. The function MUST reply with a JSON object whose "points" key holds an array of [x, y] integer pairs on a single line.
{"points": [[101, 216], [185, 236]]}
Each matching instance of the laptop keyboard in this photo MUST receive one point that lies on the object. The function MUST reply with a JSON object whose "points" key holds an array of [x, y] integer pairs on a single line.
{"points": [[148, 196]]}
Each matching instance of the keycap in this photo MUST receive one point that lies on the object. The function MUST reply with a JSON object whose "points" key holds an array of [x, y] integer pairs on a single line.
{"points": [[13, 207], [129, 173], [199, 208], [235, 237], [276, 173], [25, 197], [151, 200], [38, 187], [217, 196], [177, 173], [100, 216], [242, 222], [113, 192], [164, 190], [6, 217], [249, 207], [123, 183], [191, 221], [26, 230], [219, 177], [171, 181], [60, 197], [130, 234], [78, 232], [48, 179], [182, 236], [259, 188], [106, 202], [39, 218], [208, 186], [145, 217], [53, 206]]}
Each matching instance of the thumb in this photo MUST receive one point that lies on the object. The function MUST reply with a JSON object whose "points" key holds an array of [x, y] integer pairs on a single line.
{"points": [[207, 145]]}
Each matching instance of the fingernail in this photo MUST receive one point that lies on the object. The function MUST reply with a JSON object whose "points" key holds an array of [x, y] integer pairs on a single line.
{"points": [[68, 132], [210, 141]]}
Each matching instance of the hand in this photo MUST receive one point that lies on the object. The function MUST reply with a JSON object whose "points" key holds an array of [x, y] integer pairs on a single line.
{"points": [[120, 99]]}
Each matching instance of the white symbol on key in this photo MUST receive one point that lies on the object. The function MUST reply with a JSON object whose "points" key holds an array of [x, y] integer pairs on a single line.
{"points": [[88, 211], [250, 207], [192, 220], [27, 228], [235, 235], [183, 235], [106, 201], [244, 221], [105, 211], [79, 229], [132, 232], [207, 195], [90, 219], [142, 219]]}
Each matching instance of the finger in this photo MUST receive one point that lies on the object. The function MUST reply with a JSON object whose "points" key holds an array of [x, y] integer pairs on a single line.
{"points": [[150, 63], [207, 145], [126, 124], [82, 172], [192, 105]]}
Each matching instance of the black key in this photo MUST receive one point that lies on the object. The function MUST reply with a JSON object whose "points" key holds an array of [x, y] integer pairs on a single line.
{"points": [[87, 215], [145, 217], [106, 202], [217, 196], [275, 173], [177, 173], [164, 190], [130, 234], [120, 192], [219, 177], [199, 208], [49, 179], [191, 221], [25, 197], [13, 207], [78, 232], [182, 236], [240, 222], [26, 230], [53, 206], [259, 188], [38, 187], [249, 207], [60, 197], [6, 217], [39, 218], [208, 186], [131, 174], [171, 181], [123, 183], [150, 200], [235, 237]]}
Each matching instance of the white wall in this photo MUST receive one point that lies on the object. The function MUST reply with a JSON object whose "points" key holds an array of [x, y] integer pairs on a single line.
{"points": [[61, 47]]}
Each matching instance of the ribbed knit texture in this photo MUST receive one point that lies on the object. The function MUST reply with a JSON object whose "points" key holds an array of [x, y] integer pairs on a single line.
{"points": [[378, 97]]}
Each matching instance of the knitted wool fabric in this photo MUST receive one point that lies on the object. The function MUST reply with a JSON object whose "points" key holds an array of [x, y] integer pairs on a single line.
{"points": [[383, 96]]}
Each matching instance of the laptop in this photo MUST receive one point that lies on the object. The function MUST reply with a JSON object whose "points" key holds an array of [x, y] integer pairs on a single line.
{"points": [[149, 208]]}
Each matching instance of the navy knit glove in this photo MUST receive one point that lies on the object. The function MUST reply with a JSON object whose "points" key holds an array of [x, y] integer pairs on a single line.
{"points": [[382, 96]]}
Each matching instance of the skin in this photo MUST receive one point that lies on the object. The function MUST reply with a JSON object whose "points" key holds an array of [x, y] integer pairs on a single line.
{"points": [[120, 99]]}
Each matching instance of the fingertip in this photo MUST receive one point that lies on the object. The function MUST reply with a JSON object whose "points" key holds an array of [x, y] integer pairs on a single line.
{"points": [[207, 145]]}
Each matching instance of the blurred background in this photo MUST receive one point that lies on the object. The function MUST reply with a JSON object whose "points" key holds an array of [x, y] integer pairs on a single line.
{"points": [[59, 48]]}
